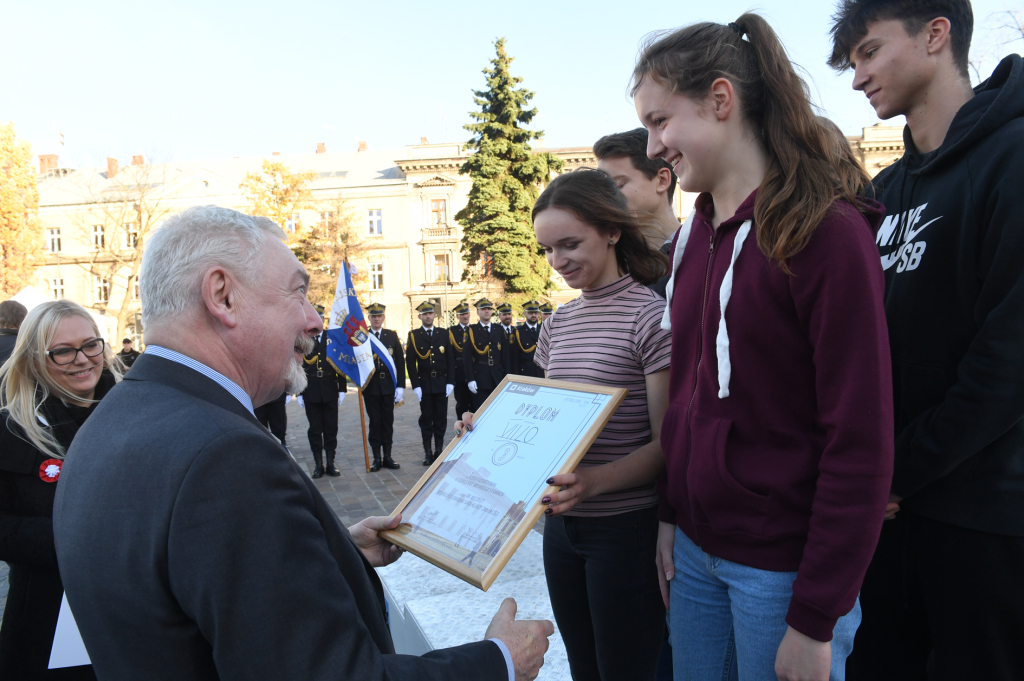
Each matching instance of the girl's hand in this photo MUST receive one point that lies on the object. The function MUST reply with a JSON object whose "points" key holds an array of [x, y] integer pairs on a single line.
{"points": [[663, 558], [465, 424], [801, 658], [575, 487]]}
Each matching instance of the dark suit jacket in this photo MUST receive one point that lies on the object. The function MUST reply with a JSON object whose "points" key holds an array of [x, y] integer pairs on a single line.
{"points": [[438, 368], [193, 547], [525, 349], [380, 382], [457, 337], [323, 381], [486, 356]]}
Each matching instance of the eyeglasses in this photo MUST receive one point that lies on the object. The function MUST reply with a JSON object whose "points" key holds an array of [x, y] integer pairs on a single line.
{"points": [[93, 348]]}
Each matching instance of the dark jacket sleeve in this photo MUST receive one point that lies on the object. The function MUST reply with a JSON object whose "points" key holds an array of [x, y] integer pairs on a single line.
{"points": [[468, 351], [24, 539], [410, 361], [987, 398], [449, 355], [396, 346], [293, 611]]}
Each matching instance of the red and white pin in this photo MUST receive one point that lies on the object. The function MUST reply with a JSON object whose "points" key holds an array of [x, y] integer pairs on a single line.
{"points": [[49, 470]]}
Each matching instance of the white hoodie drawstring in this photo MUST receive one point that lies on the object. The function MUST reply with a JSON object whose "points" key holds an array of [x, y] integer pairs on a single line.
{"points": [[724, 294]]}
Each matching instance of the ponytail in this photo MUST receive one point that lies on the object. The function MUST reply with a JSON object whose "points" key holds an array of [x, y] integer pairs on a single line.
{"points": [[807, 171]]}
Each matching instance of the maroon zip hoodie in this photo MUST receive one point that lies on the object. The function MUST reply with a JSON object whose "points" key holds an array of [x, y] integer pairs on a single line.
{"points": [[791, 470]]}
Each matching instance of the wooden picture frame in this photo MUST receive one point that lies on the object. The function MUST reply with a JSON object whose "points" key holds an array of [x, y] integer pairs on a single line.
{"points": [[463, 520]]}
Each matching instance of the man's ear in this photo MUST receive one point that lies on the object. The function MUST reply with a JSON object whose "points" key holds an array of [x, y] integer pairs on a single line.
{"points": [[220, 295], [936, 34], [663, 180]]}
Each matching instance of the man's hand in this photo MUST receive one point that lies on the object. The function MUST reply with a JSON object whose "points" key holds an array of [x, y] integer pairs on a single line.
{"points": [[893, 507], [472, 387], [299, 400], [527, 640], [663, 559], [801, 658], [399, 394], [376, 550], [448, 389], [419, 393], [341, 398]]}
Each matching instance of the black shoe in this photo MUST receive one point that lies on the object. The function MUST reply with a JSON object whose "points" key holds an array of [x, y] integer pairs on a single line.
{"points": [[427, 460], [375, 466], [318, 472], [332, 470], [391, 464], [318, 469]]}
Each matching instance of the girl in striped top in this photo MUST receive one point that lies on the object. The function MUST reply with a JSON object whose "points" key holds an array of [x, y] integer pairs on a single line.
{"points": [[600, 536]]}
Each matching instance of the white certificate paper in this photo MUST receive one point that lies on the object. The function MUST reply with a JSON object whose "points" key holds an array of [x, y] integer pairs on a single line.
{"points": [[68, 649]]}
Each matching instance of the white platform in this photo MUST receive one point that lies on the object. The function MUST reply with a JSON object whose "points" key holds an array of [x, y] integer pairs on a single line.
{"points": [[430, 609]]}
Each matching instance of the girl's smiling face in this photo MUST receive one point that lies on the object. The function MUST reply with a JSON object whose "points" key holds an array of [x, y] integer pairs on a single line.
{"points": [[80, 377], [583, 256]]}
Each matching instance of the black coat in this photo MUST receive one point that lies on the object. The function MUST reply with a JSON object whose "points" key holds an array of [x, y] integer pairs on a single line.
{"points": [[128, 358], [26, 543], [486, 357], [513, 357], [323, 380], [429, 360], [7, 340], [194, 547], [380, 382], [457, 337], [524, 348]]}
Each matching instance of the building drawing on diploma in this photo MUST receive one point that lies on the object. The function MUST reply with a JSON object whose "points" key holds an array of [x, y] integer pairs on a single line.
{"points": [[462, 513]]}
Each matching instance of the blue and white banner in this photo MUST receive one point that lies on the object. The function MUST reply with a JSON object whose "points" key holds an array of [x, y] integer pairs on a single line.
{"points": [[350, 345]]}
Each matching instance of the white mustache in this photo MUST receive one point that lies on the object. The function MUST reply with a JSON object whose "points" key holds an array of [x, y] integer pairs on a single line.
{"points": [[305, 344]]}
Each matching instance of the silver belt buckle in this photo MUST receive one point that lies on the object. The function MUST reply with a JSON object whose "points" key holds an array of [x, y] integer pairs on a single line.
{"points": [[382, 375], [433, 374], [490, 362], [319, 374]]}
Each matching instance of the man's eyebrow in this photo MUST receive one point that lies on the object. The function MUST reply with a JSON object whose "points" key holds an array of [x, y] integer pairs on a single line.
{"points": [[304, 275], [862, 45]]}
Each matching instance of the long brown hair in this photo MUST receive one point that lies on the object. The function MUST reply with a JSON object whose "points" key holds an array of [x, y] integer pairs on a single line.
{"points": [[807, 172], [591, 195]]}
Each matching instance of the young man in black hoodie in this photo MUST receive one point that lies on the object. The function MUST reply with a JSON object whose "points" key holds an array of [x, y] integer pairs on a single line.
{"points": [[944, 596]]}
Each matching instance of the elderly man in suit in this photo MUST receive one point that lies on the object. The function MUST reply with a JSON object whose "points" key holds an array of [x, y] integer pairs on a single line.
{"points": [[191, 545]]}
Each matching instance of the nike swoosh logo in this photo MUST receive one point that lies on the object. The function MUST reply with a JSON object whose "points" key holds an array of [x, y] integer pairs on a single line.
{"points": [[911, 235]]}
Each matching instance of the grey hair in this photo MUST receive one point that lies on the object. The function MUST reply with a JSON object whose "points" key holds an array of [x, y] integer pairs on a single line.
{"points": [[181, 251]]}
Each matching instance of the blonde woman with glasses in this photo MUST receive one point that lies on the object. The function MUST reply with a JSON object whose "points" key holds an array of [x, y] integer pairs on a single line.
{"points": [[58, 371]]}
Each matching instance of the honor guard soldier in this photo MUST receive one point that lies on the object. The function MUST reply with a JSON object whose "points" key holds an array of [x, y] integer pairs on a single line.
{"points": [[546, 311], [526, 341], [325, 390], [458, 334], [508, 326], [428, 356], [486, 355], [381, 394]]}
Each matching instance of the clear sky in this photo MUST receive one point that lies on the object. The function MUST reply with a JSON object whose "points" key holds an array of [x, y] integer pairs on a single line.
{"points": [[193, 80]]}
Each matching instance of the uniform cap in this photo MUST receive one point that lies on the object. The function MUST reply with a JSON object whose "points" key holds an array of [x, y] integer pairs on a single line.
{"points": [[461, 308], [375, 308], [483, 303], [319, 309], [504, 307], [531, 306], [546, 308], [425, 306]]}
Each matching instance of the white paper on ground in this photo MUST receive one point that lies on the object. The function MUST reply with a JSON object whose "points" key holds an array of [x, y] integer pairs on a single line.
{"points": [[68, 649]]}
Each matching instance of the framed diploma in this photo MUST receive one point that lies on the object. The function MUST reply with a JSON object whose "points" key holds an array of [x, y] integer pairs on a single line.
{"points": [[473, 507]]}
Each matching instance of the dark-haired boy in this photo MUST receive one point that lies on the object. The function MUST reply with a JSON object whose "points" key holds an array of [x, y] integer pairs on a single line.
{"points": [[648, 185], [944, 596]]}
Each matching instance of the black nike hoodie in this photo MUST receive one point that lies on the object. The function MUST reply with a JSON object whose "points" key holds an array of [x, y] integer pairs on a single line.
{"points": [[952, 246]]}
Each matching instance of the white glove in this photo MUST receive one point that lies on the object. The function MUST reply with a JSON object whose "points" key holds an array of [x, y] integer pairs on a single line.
{"points": [[448, 389], [472, 387], [399, 394], [419, 393], [341, 398], [287, 399], [299, 400]]}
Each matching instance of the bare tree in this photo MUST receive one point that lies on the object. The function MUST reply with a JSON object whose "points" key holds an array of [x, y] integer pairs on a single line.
{"points": [[326, 243], [1004, 28]]}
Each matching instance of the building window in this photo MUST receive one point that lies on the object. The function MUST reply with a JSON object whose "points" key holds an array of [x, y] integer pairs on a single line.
{"points": [[131, 235], [55, 240], [101, 289], [326, 218], [98, 240], [487, 264], [292, 223], [376, 276], [438, 213], [57, 289], [441, 268], [135, 289], [376, 225]]}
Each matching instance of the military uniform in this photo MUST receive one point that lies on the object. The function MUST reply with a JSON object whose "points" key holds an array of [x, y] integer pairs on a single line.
{"points": [[379, 395], [525, 346], [546, 310], [486, 356], [320, 400], [274, 417], [510, 338], [457, 337], [428, 357]]}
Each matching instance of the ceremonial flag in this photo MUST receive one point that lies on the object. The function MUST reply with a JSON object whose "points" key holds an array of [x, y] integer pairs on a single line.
{"points": [[350, 345]]}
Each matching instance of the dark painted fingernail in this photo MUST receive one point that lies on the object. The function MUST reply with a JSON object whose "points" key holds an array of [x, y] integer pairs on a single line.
{"points": [[545, 500], [551, 481], [548, 511]]}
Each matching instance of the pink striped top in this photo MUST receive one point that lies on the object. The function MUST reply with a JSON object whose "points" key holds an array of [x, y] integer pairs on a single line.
{"points": [[610, 336]]}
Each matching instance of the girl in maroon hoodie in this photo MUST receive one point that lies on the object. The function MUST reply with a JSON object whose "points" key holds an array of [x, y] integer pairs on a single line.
{"points": [[778, 438]]}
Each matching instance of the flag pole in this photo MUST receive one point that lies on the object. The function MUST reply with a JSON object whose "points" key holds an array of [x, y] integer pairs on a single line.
{"points": [[362, 423]]}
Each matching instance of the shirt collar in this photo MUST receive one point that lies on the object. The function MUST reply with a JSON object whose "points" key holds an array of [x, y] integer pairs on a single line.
{"points": [[215, 376]]}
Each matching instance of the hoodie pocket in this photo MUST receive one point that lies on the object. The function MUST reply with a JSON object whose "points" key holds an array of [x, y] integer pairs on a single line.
{"points": [[727, 505]]}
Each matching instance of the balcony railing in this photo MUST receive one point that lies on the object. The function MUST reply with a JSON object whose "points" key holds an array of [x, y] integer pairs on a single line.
{"points": [[434, 286], [438, 233]]}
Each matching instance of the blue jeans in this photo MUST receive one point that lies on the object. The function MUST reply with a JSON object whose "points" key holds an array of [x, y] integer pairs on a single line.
{"points": [[727, 619]]}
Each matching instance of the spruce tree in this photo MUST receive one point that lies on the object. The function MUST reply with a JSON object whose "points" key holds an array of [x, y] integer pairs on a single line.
{"points": [[506, 176]]}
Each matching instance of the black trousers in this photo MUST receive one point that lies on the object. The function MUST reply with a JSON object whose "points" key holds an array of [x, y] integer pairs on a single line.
{"points": [[463, 399], [323, 425], [274, 417], [603, 585], [433, 415], [482, 393], [381, 411], [941, 603]]}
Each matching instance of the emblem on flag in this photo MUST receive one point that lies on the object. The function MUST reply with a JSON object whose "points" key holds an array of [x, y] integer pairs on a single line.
{"points": [[350, 345]]}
